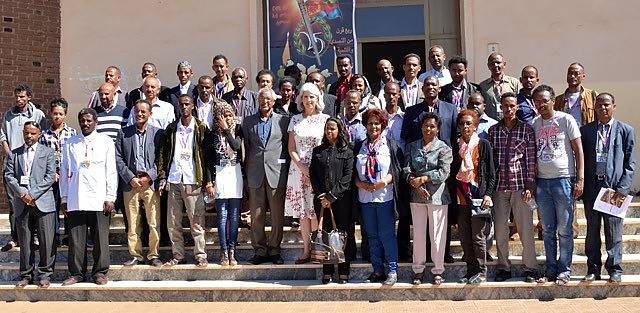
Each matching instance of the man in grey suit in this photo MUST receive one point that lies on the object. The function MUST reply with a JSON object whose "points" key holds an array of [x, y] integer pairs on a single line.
{"points": [[609, 158], [267, 165], [136, 149], [29, 173]]}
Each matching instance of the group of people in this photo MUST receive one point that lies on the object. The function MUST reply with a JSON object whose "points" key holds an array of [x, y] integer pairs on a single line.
{"points": [[434, 151]]}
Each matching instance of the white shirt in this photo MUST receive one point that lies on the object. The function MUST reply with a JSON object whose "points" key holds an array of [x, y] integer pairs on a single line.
{"points": [[411, 92], [29, 153], [184, 88], [182, 166], [205, 111], [88, 174], [444, 77], [162, 115]]}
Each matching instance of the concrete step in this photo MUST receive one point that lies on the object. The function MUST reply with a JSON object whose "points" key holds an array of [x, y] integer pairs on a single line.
{"points": [[290, 252], [359, 271], [311, 290]]}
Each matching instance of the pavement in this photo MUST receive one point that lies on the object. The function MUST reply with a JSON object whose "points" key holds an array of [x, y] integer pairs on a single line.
{"points": [[621, 305]]}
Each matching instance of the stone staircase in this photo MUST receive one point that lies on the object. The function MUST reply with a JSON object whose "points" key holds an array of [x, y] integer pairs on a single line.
{"points": [[290, 282]]}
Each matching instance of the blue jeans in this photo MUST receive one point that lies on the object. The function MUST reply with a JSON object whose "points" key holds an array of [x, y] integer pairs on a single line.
{"points": [[555, 199], [380, 222], [228, 219]]}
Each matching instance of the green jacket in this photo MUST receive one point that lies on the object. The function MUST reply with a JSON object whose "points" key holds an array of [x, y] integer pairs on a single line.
{"points": [[167, 147]]}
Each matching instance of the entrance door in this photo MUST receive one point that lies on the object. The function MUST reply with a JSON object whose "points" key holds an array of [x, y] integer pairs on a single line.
{"points": [[394, 51]]}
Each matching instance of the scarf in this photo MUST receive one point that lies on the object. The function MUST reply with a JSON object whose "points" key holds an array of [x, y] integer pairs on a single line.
{"points": [[466, 173], [372, 167]]}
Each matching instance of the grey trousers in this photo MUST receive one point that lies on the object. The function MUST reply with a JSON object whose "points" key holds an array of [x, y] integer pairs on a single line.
{"points": [[79, 224], [259, 200], [46, 224], [505, 202]]}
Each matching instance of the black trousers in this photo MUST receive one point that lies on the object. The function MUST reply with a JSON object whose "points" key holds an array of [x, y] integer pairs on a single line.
{"points": [[613, 227], [79, 224], [343, 215], [473, 241], [45, 224], [12, 219]]}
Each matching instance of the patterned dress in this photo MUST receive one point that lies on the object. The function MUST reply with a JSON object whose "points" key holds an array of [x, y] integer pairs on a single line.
{"points": [[308, 134]]}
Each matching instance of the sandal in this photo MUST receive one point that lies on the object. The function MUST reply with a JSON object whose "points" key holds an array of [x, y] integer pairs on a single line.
{"points": [[201, 262], [438, 280], [173, 262], [417, 278]]}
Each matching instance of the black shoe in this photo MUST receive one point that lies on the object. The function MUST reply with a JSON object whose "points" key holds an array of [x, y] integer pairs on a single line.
{"points": [[326, 279], [547, 277], [131, 262], [44, 283], [342, 280], [530, 277], [615, 278], [376, 278], [478, 279], [8, 246], [155, 262], [591, 277], [502, 275], [277, 259], [449, 259], [257, 259], [391, 279]]}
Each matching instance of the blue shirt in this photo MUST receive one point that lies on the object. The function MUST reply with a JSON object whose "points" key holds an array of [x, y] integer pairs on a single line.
{"points": [[526, 108], [356, 131], [264, 129], [483, 127]]}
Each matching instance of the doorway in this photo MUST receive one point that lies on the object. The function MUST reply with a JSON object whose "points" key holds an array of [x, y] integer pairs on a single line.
{"points": [[394, 51]]}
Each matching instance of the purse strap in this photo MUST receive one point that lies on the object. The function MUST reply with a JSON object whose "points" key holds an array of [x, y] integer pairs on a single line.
{"points": [[333, 220]]}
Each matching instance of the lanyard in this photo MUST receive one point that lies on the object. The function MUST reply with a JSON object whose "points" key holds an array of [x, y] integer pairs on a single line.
{"points": [[604, 137]]}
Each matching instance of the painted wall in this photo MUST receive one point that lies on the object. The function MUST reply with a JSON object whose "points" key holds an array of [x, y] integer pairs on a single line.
{"points": [[96, 34], [551, 34]]}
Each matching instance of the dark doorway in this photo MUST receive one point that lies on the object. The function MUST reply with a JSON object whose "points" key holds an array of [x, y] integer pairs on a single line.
{"points": [[394, 51]]}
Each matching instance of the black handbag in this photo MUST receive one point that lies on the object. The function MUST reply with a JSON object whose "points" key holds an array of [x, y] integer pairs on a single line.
{"points": [[478, 211], [327, 247]]}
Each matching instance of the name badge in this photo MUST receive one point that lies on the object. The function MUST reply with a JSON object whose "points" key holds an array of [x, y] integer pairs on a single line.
{"points": [[85, 163], [24, 180], [186, 154], [282, 161], [601, 157]]}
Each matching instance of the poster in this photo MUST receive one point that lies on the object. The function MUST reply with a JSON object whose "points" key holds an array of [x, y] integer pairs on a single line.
{"points": [[310, 34]]}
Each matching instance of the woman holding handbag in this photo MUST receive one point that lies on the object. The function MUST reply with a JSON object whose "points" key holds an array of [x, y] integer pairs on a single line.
{"points": [[475, 184], [331, 174], [428, 166]]}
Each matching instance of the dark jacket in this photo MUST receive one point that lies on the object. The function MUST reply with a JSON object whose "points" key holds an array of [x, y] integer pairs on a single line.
{"points": [[412, 127], [126, 154], [165, 158], [211, 155], [136, 94], [400, 190], [172, 95], [446, 93], [486, 169]]}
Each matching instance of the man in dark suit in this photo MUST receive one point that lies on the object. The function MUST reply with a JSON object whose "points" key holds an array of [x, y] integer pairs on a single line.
{"points": [[29, 173], [457, 92], [385, 72], [267, 161], [148, 69], [411, 129], [609, 158], [331, 105], [184, 87], [136, 149]]}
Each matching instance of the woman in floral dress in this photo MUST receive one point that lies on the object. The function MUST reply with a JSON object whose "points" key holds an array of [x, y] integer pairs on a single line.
{"points": [[305, 133]]}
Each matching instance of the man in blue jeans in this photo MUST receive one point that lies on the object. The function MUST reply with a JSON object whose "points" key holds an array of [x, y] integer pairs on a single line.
{"points": [[560, 180], [609, 158]]}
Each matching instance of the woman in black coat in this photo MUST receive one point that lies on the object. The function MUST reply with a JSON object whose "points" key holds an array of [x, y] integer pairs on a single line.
{"points": [[331, 173]]}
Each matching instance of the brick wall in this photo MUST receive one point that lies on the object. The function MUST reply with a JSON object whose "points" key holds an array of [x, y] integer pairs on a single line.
{"points": [[29, 52]]}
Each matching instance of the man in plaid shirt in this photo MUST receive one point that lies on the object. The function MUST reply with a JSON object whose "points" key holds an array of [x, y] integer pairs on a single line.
{"points": [[54, 137], [514, 150]]}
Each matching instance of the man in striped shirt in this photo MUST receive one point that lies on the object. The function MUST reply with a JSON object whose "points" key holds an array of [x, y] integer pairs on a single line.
{"points": [[111, 117]]}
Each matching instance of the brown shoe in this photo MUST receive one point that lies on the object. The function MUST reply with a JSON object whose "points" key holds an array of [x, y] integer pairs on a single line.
{"points": [[174, 262], [101, 280], [201, 262], [70, 281], [23, 283], [232, 258]]}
